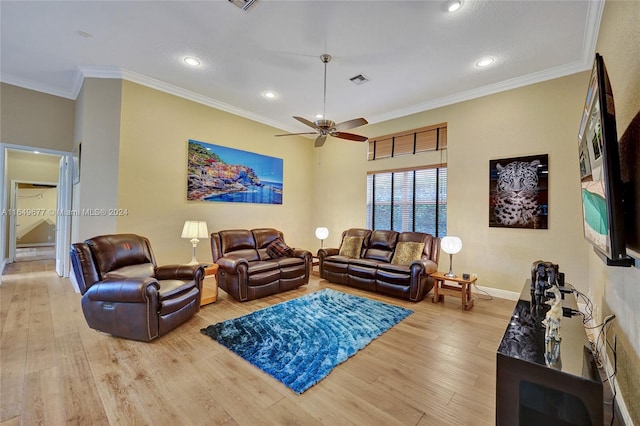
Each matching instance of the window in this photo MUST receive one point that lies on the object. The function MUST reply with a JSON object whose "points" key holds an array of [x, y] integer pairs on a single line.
{"points": [[408, 200]]}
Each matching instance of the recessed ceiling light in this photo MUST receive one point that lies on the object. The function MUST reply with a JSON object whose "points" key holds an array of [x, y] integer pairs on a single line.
{"points": [[319, 116], [485, 62], [36, 152], [269, 95], [454, 5], [189, 60]]}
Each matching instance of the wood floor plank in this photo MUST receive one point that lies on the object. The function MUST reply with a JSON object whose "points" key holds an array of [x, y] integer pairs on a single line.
{"points": [[436, 367]]}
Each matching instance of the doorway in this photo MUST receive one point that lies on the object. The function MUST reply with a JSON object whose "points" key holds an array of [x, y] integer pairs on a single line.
{"points": [[33, 226], [34, 175]]}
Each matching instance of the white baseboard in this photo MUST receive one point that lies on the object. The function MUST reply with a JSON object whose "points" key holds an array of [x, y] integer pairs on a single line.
{"points": [[501, 294]]}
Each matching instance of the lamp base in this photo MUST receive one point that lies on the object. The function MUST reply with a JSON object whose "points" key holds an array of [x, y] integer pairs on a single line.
{"points": [[450, 275]]}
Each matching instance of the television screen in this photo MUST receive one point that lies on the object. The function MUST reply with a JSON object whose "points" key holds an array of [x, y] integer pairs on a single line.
{"points": [[601, 185]]}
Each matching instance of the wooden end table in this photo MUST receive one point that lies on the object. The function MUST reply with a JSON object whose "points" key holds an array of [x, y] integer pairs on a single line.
{"points": [[462, 289], [209, 285]]}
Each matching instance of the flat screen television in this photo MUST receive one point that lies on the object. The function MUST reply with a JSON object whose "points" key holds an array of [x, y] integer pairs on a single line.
{"points": [[600, 182]]}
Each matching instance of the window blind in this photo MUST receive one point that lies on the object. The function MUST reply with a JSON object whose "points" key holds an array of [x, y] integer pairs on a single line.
{"points": [[408, 200], [431, 138]]}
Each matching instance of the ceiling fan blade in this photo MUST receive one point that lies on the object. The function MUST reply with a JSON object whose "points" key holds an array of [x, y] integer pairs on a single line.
{"points": [[320, 141], [356, 122], [349, 136], [293, 134], [305, 121]]}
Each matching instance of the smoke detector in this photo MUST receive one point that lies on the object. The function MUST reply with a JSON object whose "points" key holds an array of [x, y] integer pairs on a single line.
{"points": [[243, 4]]}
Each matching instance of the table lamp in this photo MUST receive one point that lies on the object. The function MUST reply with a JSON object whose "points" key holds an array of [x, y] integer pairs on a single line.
{"points": [[195, 229], [322, 233], [451, 246]]}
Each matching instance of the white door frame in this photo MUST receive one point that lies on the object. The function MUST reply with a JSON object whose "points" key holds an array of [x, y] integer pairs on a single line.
{"points": [[62, 244]]}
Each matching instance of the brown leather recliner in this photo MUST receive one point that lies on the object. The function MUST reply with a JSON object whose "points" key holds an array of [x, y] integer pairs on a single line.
{"points": [[126, 295], [246, 269]]}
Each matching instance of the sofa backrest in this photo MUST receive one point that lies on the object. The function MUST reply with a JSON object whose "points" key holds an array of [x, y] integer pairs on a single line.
{"points": [[112, 252], [358, 232], [263, 237], [111, 255], [381, 245], [240, 242]]}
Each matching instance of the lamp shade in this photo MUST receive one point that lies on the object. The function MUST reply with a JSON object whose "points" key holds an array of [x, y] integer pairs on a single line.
{"points": [[451, 245], [195, 229], [322, 233]]}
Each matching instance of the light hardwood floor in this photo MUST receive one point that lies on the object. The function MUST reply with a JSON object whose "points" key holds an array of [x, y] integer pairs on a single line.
{"points": [[437, 367]]}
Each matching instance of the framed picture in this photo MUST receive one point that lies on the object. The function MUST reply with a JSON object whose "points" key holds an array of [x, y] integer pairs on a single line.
{"points": [[76, 154], [518, 192], [218, 173]]}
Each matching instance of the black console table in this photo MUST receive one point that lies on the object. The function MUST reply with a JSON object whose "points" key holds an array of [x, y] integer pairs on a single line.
{"points": [[530, 390]]}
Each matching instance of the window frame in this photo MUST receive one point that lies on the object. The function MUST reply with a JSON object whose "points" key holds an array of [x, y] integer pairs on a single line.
{"points": [[371, 196]]}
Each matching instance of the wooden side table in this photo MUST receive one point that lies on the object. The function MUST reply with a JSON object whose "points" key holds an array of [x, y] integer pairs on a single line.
{"points": [[209, 285], [461, 290]]}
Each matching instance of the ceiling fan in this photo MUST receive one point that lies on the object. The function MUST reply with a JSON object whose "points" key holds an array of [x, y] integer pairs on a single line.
{"points": [[324, 127]]}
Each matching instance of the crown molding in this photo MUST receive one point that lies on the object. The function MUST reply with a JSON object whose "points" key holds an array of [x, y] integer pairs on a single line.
{"points": [[124, 74], [593, 18], [514, 83], [38, 87], [592, 27]]}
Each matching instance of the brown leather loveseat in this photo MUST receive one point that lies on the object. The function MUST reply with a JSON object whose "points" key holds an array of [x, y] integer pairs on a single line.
{"points": [[256, 263], [125, 294], [397, 264]]}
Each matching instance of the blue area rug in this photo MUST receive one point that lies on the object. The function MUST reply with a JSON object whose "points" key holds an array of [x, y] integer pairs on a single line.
{"points": [[300, 341]]}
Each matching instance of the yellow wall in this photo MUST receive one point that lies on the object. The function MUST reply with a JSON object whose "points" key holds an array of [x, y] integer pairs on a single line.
{"points": [[35, 119], [537, 119], [98, 111], [153, 173], [617, 290]]}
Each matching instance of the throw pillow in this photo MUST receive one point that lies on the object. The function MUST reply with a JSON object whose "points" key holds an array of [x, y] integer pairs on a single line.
{"points": [[351, 247], [278, 248], [406, 252]]}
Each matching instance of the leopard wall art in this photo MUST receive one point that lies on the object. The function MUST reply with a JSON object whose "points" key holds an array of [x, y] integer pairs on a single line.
{"points": [[516, 197]]}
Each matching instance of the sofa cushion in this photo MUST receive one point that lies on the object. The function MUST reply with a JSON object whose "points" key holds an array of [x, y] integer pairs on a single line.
{"points": [[132, 271], [407, 252], [278, 249], [351, 247]]}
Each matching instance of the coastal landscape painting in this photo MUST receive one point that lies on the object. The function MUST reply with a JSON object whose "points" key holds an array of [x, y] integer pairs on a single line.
{"points": [[219, 173]]}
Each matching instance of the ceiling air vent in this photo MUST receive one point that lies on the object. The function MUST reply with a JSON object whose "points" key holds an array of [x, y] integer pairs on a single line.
{"points": [[359, 79], [243, 4]]}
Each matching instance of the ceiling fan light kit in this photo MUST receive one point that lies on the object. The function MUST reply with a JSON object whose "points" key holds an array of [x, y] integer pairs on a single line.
{"points": [[324, 127]]}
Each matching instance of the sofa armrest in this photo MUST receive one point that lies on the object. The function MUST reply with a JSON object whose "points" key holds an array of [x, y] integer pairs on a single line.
{"points": [[180, 272], [324, 252], [301, 253], [427, 266], [231, 263], [129, 290]]}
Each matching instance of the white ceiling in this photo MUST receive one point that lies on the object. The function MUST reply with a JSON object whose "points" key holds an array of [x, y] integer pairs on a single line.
{"points": [[416, 54]]}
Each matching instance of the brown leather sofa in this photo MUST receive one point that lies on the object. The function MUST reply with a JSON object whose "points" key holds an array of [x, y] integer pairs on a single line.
{"points": [[375, 268], [126, 295], [247, 271]]}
